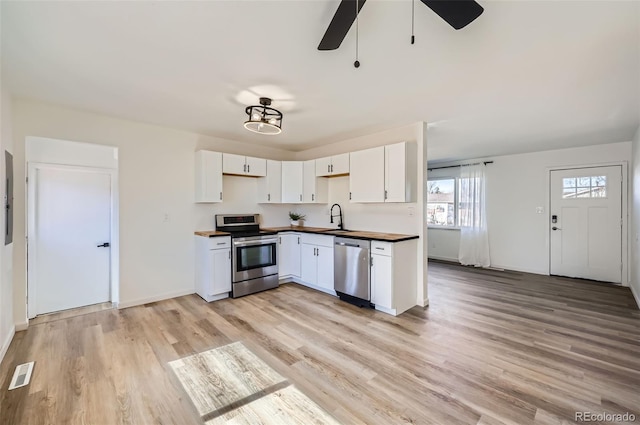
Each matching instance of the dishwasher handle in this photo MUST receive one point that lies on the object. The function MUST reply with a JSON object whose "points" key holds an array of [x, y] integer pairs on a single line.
{"points": [[348, 244]]}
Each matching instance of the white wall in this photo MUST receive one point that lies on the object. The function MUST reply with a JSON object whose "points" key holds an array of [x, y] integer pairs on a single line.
{"points": [[516, 185], [156, 166], [634, 239], [7, 328]]}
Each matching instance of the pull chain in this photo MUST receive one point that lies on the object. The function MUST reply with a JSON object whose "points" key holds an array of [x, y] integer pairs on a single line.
{"points": [[357, 62], [413, 21]]}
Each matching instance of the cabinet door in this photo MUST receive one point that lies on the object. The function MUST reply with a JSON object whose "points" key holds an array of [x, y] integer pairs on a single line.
{"points": [[309, 182], [233, 164], [324, 258], [340, 164], [395, 172], [270, 186], [208, 174], [221, 281], [289, 255], [256, 166], [308, 263], [294, 253], [382, 281], [366, 175], [323, 167], [291, 182]]}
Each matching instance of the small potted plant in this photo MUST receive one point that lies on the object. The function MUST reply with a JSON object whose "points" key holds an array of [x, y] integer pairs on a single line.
{"points": [[297, 219]]}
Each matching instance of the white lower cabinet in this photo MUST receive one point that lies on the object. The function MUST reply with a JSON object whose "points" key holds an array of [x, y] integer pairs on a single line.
{"points": [[213, 267], [289, 255], [316, 257], [393, 276]]}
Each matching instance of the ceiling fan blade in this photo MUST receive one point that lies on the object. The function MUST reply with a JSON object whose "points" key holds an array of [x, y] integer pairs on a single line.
{"points": [[457, 13], [340, 24]]}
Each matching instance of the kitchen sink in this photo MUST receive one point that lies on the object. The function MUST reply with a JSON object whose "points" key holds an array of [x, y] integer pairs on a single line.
{"points": [[338, 231]]}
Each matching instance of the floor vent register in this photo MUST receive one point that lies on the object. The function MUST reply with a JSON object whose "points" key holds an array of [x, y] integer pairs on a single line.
{"points": [[21, 376]]}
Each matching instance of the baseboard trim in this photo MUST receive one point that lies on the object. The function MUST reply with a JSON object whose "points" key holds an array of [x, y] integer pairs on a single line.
{"points": [[425, 303], [636, 296], [161, 297], [7, 343], [22, 326], [447, 259]]}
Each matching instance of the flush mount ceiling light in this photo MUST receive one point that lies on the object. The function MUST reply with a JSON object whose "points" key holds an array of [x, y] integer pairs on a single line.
{"points": [[263, 119]]}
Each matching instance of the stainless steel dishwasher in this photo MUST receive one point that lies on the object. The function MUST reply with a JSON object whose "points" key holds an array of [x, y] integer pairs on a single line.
{"points": [[351, 270]]}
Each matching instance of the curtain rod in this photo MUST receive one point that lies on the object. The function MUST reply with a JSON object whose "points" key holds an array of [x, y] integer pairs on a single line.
{"points": [[461, 165]]}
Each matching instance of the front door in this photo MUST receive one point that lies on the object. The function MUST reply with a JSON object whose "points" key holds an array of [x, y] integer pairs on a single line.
{"points": [[68, 232], [586, 223]]}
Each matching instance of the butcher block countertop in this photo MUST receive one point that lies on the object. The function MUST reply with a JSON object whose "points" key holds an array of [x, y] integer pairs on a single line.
{"points": [[355, 234], [211, 233]]}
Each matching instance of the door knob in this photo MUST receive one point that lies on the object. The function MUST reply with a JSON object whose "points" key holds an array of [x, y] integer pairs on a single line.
{"points": [[555, 228], [104, 245]]}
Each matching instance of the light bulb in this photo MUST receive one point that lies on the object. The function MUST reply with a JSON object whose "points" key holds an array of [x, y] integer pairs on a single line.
{"points": [[272, 121], [255, 117]]}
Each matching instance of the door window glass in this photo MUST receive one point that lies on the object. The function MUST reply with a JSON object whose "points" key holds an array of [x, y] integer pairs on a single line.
{"points": [[584, 187]]}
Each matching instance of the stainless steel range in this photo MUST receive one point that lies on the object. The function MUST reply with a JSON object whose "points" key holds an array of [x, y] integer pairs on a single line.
{"points": [[254, 259]]}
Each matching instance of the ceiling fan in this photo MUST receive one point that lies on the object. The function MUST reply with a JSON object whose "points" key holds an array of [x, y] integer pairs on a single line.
{"points": [[457, 13]]}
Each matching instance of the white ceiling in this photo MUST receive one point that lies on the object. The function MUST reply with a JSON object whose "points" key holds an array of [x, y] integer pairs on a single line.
{"points": [[524, 76]]}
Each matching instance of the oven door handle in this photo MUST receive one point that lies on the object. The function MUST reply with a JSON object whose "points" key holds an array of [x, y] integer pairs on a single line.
{"points": [[253, 243]]}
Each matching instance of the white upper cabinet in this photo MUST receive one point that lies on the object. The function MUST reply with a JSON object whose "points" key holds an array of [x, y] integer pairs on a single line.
{"points": [[314, 189], [300, 184], [244, 165], [384, 174], [208, 176], [292, 182], [256, 166], [366, 177], [270, 186], [332, 165], [400, 171]]}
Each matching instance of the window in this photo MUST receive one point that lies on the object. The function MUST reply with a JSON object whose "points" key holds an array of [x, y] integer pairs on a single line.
{"points": [[584, 187], [441, 202]]}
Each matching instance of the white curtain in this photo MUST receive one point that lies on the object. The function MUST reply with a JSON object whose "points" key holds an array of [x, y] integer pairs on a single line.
{"points": [[474, 235]]}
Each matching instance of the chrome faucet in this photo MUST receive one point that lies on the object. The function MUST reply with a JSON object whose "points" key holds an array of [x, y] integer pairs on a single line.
{"points": [[338, 215]]}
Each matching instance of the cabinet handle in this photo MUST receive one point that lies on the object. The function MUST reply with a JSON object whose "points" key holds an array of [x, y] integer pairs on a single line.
{"points": [[301, 197], [382, 249], [349, 195], [248, 168], [328, 168], [268, 197], [298, 240], [229, 254], [385, 194], [221, 196], [280, 240], [244, 168], [221, 243], [313, 197], [332, 168], [371, 261]]}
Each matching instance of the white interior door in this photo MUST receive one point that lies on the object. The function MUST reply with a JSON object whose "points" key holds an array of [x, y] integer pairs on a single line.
{"points": [[72, 218], [586, 223]]}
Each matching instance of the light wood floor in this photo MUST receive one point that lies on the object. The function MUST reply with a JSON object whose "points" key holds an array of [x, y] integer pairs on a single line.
{"points": [[493, 347]]}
